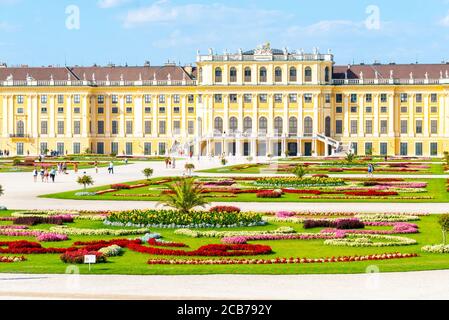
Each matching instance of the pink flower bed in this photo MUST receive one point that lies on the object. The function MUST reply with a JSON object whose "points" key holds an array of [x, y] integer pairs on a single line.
{"points": [[285, 214], [398, 228], [272, 237], [52, 237], [13, 227], [44, 236]]}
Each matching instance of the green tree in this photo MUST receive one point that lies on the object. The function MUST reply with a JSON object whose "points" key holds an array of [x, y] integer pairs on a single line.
{"points": [[148, 172], [16, 162], [350, 157], [300, 171], [444, 223], [184, 196], [85, 180]]}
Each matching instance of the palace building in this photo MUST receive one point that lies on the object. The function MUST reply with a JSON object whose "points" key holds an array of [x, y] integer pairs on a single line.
{"points": [[254, 103]]}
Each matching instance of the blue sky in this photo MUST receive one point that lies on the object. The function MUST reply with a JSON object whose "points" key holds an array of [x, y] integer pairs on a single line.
{"points": [[132, 31]]}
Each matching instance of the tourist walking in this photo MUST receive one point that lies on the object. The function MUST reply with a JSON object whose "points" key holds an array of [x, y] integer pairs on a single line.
{"points": [[174, 163], [35, 174], [53, 174], [96, 166], [42, 174], [167, 160], [75, 167], [46, 175], [111, 167]]}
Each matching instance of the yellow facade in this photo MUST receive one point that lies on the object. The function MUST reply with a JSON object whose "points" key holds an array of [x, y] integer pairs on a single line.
{"points": [[248, 104]]}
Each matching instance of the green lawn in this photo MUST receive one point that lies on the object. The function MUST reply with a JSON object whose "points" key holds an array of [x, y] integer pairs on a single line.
{"points": [[135, 263], [9, 168], [436, 189]]}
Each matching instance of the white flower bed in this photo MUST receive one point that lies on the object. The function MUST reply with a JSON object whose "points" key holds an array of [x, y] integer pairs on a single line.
{"points": [[225, 234], [97, 232], [438, 248], [366, 240]]}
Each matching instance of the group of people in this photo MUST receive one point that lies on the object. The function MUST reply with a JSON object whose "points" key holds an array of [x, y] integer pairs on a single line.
{"points": [[170, 163], [4, 153], [45, 174]]}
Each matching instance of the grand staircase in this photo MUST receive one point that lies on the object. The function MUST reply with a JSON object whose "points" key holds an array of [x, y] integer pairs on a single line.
{"points": [[341, 150]]}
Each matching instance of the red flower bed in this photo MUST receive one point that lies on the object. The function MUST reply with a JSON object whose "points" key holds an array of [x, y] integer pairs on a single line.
{"points": [[371, 193], [336, 170], [120, 186], [154, 242], [77, 257], [26, 247], [315, 192], [269, 195], [224, 209]]}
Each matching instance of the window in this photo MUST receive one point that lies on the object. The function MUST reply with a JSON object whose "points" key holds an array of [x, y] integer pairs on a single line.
{"points": [[19, 99], [308, 98], [369, 126], [44, 99], [433, 126], [368, 148], [383, 110], [327, 98], [60, 109], [76, 110], [293, 98], [293, 74], [418, 98], [114, 99], [176, 98], [129, 148], [161, 98], [418, 128], [369, 109], [200, 75], [338, 98], [76, 127], [247, 98], [162, 148], [383, 97], [434, 109], [355, 148], [76, 98], [262, 98], [147, 127], [418, 110], [100, 127], [433, 149], [114, 127], [129, 127], [20, 110], [129, 109], [218, 75], [147, 148], [308, 74], [404, 148], [114, 148], [293, 126], [404, 126], [100, 147], [404, 97], [247, 74], [100, 99], [383, 126], [263, 125], [162, 127], [327, 74], [161, 109], [176, 109], [20, 128], [147, 109], [278, 74], [353, 98], [339, 127], [354, 126], [308, 126], [177, 127], [434, 98], [191, 110], [114, 110], [60, 98], [233, 124], [233, 75], [60, 127], [43, 148], [404, 109], [43, 110], [278, 98], [383, 148], [147, 98], [233, 98], [278, 126], [353, 109], [76, 148], [247, 125], [60, 148], [218, 125], [191, 98], [191, 127], [44, 127], [339, 110], [218, 98], [369, 98], [263, 75], [418, 149]]}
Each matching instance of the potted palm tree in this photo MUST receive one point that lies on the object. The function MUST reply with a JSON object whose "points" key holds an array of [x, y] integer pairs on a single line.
{"points": [[85, 180], [148, 172], [184, 196], [300, 171], [189, 167]]}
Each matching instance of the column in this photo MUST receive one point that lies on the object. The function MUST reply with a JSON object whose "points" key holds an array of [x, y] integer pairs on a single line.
{"points": [[442, 115], [5, 114], [155, 121], [184, 124], [226, 114], [270, 115], [122, 122], [391, 115], [300, 115], [286, 116], [30, 115], [107, 124], [11, 115], [361, 115], [346, 114], [376, 115], [69, 116], [52, 116], [35, 123], [85, 124], [138, 113], [426, 130], [255, 129], [411, 113], [169, 122], [240, 103], [316, 117]]}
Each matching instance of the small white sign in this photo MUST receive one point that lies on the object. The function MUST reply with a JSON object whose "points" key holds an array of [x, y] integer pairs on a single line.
{"points": [[90, 259]]}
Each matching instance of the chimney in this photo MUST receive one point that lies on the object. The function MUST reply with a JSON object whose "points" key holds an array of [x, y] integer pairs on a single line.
{"points": [[147, 64]]}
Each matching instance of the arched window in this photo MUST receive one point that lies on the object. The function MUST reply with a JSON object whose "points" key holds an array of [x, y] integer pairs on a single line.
{"points": [[293, 74], [233, 75], [233, 124], [293, 126], [20, 128], [278, 126], [263, 74], [326, 74], [247, 125], [278, 74], [248, 74], [308, 74], [218, 75], [263, 125], [308, 126], [218, 125]]}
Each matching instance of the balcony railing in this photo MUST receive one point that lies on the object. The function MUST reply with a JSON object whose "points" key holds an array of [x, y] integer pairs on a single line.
{"points": [[20, 135], [90, 83]]}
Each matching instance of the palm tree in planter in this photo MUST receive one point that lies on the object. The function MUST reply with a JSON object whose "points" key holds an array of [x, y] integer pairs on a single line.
{"points": [[148, 172], [184, 196], [85, 180], [189, 167], [444, 223], [350, 157], [300, 171]]}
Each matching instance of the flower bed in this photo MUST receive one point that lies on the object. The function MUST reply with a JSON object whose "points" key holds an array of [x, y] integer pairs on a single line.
{"points": [[77, 257], [337, 224], [41, 235], [366, 240], [269, 195], [175, 219], [226, 209], [97, 232], [222, 234], [299, 182], [26, 247], [111, 251], [272, 237], [120, 187], [5, 259], [374, 257], [386, 217], [439, 248], [35, 220]]}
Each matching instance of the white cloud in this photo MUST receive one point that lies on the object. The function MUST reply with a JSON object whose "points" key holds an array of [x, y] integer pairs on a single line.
{"points": [[107, 4], [445, 21]]}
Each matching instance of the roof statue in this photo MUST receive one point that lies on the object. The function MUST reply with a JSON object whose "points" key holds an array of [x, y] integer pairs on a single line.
{"points": [[121, 77], [211, 51], [169, 77], [361, 75], [447, 74], [84, 76], [411, 75], [427, 76], [140, 76], [9, 78], [154, 76], [264, 49], [240, 51], [93, 77], [391, 74], [69, 77], [51, 77], [107, 77], [441, 74], [376, 74]]}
